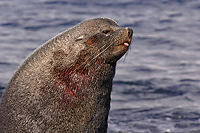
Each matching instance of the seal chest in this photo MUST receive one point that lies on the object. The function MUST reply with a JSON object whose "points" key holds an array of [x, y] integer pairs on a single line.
{"points": [[65, 85]]}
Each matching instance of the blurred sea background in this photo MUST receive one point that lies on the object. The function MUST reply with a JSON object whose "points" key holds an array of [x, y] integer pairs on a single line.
{"points": [[157, 84]]}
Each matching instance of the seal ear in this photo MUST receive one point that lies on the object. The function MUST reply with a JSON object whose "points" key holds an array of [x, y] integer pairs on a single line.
{"points": [[81, 37]]}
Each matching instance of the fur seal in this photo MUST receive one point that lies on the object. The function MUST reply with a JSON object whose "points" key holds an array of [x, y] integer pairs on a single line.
{"points": [[65, 85]]}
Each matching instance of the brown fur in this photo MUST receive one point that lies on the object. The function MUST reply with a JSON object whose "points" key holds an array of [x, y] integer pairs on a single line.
{"points": [[65, 85]]}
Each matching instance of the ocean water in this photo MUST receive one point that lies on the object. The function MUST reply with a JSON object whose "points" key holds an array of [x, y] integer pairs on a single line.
{"points": [[157, 84]]}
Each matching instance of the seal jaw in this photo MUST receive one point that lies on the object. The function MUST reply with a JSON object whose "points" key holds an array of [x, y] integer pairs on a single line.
{"points": [[127, 42], [122, 46]]}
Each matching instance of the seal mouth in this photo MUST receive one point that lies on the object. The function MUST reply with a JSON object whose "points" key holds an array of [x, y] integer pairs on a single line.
{"points": [[125, 43]]}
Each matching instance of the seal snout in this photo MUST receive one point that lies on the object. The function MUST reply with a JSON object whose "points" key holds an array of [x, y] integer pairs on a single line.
{"points": [[130, 32]]}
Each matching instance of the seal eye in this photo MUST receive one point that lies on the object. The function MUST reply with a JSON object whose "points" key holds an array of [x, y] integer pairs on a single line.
{"points": [[106, 31]]}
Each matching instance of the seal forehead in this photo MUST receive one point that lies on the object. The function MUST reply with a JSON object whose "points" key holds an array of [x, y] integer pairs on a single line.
{"points": [[91, 27], [103, 21], [98, 23], [106, 21]]}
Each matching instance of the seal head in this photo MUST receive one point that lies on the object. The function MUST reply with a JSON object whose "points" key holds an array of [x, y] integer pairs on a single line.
{"points": [[65, 85]]}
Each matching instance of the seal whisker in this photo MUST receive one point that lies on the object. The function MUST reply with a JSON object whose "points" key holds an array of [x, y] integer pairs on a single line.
{"points": [[86, 61], [98, 54]]}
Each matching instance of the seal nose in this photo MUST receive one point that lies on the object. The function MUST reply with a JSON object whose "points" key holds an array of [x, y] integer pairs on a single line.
{"points": [[130, 32]]}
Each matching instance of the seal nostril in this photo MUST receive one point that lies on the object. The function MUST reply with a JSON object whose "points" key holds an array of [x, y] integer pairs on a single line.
{"points": [[130, 32]]}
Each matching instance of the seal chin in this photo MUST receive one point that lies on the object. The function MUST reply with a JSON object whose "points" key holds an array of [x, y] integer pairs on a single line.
{"points": [[119, 50]]}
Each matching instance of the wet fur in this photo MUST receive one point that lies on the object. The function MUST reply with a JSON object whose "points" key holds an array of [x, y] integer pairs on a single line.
{"points": [[65, 85]]}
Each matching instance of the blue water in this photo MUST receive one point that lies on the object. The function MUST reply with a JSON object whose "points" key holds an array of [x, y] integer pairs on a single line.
{"points": [[157, 84]]}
